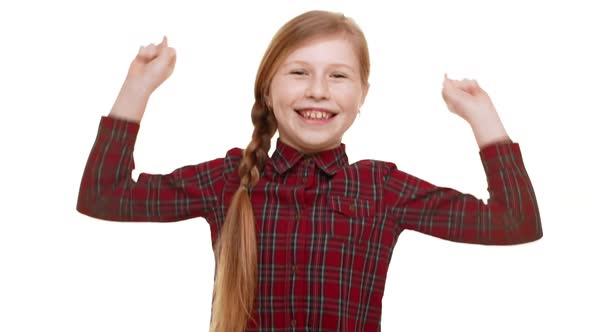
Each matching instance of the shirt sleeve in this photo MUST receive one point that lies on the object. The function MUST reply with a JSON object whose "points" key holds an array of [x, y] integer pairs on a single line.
{"points": [[107, 190], [510, 215]]}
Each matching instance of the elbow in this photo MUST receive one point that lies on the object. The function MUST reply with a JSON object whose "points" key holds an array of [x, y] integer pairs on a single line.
{"points": [[522, 229], [94, 206], [87, 207], [86, 204], [525, 237]]}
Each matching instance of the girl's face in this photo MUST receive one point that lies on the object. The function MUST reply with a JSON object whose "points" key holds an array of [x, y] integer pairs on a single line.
{"points": [[316, 94]]}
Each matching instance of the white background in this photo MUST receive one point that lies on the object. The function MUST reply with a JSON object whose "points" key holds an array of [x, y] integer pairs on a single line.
{"points": [[62, 64]]}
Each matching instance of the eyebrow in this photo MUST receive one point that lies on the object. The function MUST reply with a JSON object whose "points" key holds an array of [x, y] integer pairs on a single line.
{"points": [[299, 62]]}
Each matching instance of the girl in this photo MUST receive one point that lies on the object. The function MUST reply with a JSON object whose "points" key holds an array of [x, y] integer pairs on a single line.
{"points": [[303, 239]]}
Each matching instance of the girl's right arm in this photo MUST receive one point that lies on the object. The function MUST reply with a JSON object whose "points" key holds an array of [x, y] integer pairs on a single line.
{"points": [[107, 190]]}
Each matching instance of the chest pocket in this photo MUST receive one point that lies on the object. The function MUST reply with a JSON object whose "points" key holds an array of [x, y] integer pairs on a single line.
{"points": [[351, 219]]}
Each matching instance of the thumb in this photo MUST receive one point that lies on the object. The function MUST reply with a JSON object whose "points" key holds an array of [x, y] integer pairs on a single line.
{"points": [[165, 62], [450, 92], [163, 44], [167, 54]]}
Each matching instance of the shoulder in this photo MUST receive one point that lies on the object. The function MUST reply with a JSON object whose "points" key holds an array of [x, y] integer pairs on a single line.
{"points": [[233, 157], [374, 164], [231, 164]]}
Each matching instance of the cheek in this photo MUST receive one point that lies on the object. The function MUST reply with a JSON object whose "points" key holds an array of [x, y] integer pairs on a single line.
{"points": [[284, 92], [348, 97]]}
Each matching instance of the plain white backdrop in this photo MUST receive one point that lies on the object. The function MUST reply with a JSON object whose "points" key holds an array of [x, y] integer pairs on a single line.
{"points": [[62, 64]]}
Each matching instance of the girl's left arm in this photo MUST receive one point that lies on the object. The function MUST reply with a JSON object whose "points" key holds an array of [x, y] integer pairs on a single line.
{"points": [[510, 216]]}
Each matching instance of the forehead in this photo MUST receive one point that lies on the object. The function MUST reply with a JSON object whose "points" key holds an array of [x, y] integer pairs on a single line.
{"points": [[326, 50]]}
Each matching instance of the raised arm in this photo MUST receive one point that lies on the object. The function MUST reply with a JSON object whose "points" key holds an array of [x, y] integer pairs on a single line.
{"points": [[107, 189], [511, 214]]}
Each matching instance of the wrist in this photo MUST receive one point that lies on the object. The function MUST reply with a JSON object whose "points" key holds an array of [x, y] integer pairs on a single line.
{"points": [[134, 87], [131, 102], [488, 129]]}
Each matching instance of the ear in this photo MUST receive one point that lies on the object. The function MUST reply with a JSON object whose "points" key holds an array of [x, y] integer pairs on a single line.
{"points": [[365, 92], [268, 101]]}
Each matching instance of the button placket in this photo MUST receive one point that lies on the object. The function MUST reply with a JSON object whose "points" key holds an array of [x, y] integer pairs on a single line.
{"points": [[307, 169]]}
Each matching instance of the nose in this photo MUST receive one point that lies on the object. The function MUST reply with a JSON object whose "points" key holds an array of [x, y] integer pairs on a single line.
{"points": [[317, 88]]}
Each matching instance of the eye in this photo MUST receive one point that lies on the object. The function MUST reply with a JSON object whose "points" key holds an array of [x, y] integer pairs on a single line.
{"points": [[339, 75], [297, 72]]}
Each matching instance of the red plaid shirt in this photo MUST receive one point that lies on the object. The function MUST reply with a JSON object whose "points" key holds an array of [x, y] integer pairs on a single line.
{"points": [[325, 229]]}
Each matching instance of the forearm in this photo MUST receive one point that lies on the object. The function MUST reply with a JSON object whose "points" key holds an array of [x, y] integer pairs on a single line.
{"points": [[107, 173], [131, 102]]}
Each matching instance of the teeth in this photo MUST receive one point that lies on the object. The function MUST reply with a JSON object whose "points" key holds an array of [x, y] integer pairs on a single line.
{"points": [[315, 115]]}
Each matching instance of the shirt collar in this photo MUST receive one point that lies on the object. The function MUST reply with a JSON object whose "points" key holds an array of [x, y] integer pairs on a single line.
{"points": [[330, 161]]}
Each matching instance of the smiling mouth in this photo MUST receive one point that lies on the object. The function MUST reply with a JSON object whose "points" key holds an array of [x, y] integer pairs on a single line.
{"points": [[315, 114]]}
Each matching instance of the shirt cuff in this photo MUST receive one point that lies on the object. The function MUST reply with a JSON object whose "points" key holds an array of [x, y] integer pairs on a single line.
{"points": [[501, 155], [119, 130]]}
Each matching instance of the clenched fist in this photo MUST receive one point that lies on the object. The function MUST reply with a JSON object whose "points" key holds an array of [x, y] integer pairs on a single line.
{"points": [[469, 101], [152, 65], [466, 99], [150, 68]]}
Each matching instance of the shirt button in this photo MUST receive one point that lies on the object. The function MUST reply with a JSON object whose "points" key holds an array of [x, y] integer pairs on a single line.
{"points": [[294, 268], [293, 322], [351, 207], [297, 217]]}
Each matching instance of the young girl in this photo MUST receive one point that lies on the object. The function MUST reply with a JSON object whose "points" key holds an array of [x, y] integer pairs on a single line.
{"points": [[303, 239]]}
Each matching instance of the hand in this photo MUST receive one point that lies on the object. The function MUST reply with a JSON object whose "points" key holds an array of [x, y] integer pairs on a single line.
{"points": [[152, 66], [467, 99]]}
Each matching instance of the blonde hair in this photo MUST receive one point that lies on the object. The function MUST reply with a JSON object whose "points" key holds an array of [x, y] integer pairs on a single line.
{"points": [[235, 249]]}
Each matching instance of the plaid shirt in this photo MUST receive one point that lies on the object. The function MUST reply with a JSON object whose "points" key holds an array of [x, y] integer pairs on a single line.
{"points": [[325, 229]]}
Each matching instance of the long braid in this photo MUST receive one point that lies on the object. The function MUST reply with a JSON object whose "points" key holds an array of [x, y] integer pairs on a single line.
{"points": [[236, 247], [256, 152]]}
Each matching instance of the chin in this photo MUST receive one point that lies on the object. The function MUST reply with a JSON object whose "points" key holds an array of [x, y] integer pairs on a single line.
{"points": [[307, 145]]}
